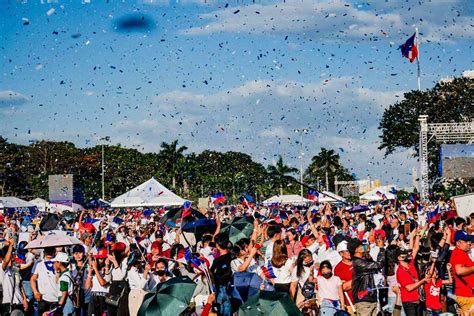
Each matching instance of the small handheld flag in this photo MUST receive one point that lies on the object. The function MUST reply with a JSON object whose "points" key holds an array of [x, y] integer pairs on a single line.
{"points": [[313, 195], [186, 209], [218, 198], [409, 49], [381, 194], [268, 271]]}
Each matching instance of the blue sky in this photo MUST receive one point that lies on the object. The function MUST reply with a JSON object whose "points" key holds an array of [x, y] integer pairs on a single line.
{"points": [[240, 76]]}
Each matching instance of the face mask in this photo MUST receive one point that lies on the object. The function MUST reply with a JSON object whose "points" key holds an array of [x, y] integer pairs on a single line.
{"points": [[327, 275], [161, 272], [308, 264]]}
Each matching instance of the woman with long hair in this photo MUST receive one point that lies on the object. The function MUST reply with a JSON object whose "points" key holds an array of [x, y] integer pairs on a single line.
{"points": [[293, 245], [118, 283], [330, 290], [304, 272], [244, 255], [283, 267]]}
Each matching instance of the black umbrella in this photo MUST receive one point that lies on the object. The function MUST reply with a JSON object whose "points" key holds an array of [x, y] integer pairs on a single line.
{"points": [[174, 214]]}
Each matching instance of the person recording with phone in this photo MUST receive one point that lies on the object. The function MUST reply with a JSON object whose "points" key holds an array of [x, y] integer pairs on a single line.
{"points": [[363, 284]]}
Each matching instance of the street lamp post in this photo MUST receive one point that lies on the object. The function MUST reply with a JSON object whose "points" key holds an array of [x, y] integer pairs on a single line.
{"points": [[106, 138], [301, 132]]}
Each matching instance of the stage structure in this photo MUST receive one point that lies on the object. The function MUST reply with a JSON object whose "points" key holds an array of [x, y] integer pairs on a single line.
{"points": [[462, 132]]}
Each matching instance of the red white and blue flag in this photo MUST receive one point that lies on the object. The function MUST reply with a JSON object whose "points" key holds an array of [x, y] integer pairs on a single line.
{"points": [[268, 271], [409, 49], [218, 198], [313, 195], [186, 209]]}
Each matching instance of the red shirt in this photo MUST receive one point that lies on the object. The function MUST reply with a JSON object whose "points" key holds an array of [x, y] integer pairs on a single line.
{"points": [[432, 294], [406, 277], [344, 272], [462, 286]]}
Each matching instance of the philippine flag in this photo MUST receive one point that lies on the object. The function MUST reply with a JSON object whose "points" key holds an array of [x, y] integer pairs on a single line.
{"points": [[218, 198], [313, 195], [409, 49]]}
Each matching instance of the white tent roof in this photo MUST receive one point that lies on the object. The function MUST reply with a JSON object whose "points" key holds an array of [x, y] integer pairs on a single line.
{"points": [[286, 199], [326, 196], [373, 196], [148, 194], [40, 204], [14, 202]]}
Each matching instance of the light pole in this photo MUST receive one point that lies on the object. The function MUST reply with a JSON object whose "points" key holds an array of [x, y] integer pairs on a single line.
{"points": [[106, 138], [301, 132]]}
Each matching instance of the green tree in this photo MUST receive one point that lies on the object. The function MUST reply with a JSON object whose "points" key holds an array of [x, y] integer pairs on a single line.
{"points": [[444, 103], [324, 168], [280, 173], [171, 156]]}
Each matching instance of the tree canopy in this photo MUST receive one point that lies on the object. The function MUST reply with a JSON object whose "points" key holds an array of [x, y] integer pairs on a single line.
{"points": [[24, 170]]}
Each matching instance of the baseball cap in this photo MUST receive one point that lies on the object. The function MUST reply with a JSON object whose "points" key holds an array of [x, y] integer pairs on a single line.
{"points": [[380, 233], [401, 251], [462, 235], [353, 244], [61, 257], [102, 254], [342, 246], [120, 246]]}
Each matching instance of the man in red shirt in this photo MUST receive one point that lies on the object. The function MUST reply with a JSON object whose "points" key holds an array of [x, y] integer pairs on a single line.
{"points": [[409, 281], [463, 270], [344, 271]]}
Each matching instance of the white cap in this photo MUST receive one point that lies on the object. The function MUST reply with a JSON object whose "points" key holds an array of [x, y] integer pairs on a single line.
{"points": [[61, 257], [342, 246]]}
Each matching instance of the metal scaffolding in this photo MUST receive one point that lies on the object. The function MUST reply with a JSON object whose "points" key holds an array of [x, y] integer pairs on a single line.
{"points": [[443, 133]]}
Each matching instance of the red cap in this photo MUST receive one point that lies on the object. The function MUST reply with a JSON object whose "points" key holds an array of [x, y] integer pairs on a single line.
{"points": [[304, 240], [120, 246], [380, 233], [101, 254]]}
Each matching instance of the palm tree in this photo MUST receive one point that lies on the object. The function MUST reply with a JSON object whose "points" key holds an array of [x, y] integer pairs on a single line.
{"points": [[280, 172], [326, 162], [170, 157]]}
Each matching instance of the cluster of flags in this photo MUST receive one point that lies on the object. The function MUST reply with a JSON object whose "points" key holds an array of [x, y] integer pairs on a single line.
{"points": [[247, 200]]}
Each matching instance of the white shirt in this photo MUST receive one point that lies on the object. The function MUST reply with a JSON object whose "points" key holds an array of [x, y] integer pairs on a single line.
{"points": [[136, 280], [66, 277], [269, 250], [304, 275], [118, 274], [97, 288], [46, 282], [10, 282], [284, 274], [328, 288], [237, 262]]}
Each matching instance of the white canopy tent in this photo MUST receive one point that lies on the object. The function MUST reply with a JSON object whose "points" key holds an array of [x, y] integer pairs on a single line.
{"points": [[148, 194], [41, 204], [376, 194], [292, 199], [12, 203], [329, 197]]}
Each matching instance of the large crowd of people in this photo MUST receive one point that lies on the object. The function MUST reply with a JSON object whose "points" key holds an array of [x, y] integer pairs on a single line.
{"points": [[392, 258]]}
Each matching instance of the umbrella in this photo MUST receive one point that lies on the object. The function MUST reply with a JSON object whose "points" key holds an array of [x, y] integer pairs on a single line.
{"points": [[169, 298], [359, 208], [52, 239], [247, 284], [199, 224], [174, 214], [238, 228], [269, 303]]}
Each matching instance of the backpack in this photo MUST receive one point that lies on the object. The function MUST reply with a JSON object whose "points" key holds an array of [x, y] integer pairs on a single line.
{"points": [[77, 296]]}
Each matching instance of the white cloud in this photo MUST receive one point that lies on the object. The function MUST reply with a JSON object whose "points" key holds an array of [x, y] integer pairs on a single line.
{"points": [[9, 98], [258, 118], [338, 20]]}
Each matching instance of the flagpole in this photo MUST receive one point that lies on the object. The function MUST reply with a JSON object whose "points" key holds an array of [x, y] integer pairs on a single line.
{"points": [[418, 59]]}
